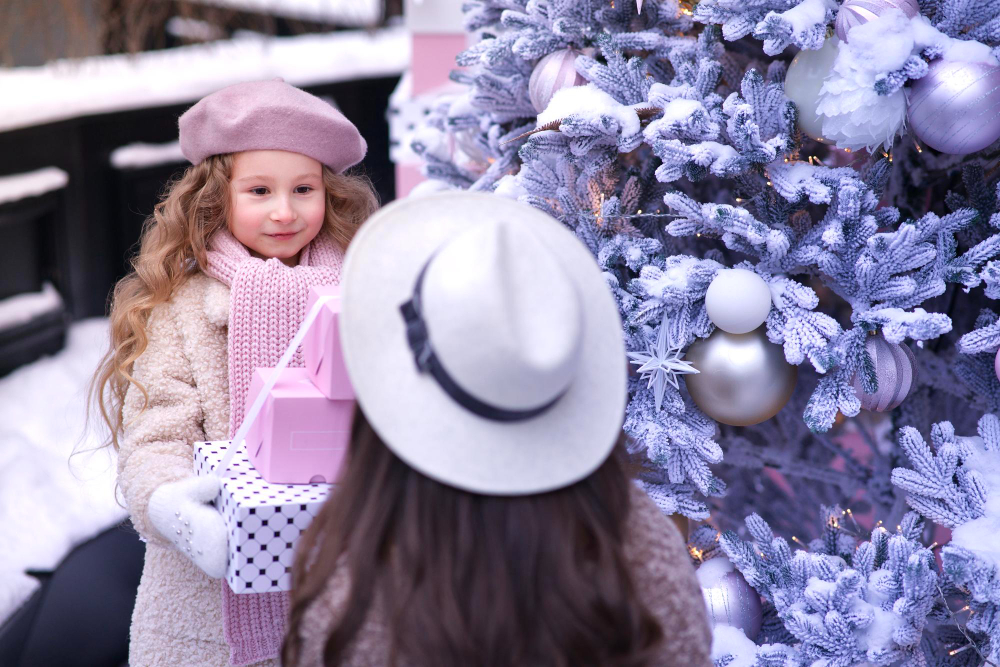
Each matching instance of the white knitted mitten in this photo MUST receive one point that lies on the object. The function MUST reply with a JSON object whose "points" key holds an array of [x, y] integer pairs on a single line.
{"points": [[181, 513]]}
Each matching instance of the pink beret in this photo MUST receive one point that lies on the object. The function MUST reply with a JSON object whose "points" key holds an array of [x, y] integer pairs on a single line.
{"points": [[270, 115]]}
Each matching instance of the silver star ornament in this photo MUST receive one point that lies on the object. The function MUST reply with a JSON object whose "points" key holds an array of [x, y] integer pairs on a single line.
{"points": [[661, 363]]}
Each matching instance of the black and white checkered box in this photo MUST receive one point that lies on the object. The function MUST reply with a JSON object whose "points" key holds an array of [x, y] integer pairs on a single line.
{"points": [[264, 520]]}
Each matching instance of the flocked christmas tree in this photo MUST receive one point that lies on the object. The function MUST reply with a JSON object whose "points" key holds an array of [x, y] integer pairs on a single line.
{"points": [[796, 206]]}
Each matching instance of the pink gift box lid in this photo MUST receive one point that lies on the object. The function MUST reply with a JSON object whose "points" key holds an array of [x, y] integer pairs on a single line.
{"points": [[293, 383]]}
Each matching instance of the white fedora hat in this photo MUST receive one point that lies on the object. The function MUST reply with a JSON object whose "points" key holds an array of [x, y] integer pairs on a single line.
{"points": [[483, 343]]}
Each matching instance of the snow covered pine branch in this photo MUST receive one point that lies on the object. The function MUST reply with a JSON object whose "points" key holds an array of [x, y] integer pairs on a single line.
{"points": [[798, 155]]}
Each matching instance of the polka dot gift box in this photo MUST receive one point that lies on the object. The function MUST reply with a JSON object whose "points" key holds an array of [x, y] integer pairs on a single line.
{"points": [[264, 520]]}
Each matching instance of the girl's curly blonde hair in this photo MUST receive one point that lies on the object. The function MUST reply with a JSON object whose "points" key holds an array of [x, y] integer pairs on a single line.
{"points": [[173, 247]]}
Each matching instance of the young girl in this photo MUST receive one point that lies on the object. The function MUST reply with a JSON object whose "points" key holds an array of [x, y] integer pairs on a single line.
{"points": [[219, 288], [486, 517]]}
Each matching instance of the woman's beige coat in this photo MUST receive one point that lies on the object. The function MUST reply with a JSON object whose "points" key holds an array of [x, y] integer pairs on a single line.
{"points": [[661, 570], [178, 611]]}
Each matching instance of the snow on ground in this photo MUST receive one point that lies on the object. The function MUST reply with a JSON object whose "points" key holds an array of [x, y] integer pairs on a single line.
{"points": [[31, 183], [102, 84], [982, 535], [340, 12], [51, 501]]}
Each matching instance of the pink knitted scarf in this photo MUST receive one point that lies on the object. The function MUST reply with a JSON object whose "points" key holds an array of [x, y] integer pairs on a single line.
{"points": [[266, 307]]}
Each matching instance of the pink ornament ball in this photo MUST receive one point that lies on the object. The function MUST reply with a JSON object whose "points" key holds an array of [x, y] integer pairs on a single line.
{"points": [[896, 371], [856, 12], [955, 108], [996, 364], [553, 72]]}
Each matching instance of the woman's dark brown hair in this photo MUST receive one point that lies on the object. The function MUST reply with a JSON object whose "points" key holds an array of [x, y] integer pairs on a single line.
{"points": [[465, 579]]}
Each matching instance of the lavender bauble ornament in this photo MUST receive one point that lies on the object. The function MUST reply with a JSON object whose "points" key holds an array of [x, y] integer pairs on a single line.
{"points": [[743, 379], [996, 364], [729, 599], [553, 72], [896, 371], [855, 12], [955, 108]]}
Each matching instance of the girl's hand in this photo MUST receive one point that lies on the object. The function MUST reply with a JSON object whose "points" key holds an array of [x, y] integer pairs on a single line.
{"points": [[181, 513]]}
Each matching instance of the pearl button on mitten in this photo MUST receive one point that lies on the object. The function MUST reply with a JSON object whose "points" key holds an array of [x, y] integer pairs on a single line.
{"points": [[181, 513]]}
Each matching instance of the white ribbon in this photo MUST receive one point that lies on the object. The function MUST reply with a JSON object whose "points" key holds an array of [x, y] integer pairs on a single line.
{"points": [[239, 439]]}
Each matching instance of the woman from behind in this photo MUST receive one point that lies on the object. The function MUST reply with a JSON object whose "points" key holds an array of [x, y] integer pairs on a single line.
{"points": [[486, 516]]}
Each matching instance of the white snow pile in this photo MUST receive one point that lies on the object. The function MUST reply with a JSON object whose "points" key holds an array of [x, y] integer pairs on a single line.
{"points": [[31, 183], [711, 572], [510, 186], [727, 640], [875, 625], [102, 84], [804, 16], [856, 116], [51, 501], [590, 102], [982, 536], [674, 278]]}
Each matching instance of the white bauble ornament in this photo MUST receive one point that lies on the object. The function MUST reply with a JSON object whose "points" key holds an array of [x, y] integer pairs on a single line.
{"points": [[803, 82], [553, 72], [738, 300], [854, 115]]}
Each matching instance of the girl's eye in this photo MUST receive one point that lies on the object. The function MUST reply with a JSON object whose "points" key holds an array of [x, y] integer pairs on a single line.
{"points": [[304, 189], [259, 191]]}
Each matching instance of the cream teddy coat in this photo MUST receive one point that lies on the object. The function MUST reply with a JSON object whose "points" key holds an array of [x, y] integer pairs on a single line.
{"points": [[177, 619], [661, 570]]}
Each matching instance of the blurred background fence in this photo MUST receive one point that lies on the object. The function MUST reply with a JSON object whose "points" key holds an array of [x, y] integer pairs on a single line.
{"points": [[90, 93]]}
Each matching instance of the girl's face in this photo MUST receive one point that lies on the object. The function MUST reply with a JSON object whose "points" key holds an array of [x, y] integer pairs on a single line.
{"points": [[278, 203]]}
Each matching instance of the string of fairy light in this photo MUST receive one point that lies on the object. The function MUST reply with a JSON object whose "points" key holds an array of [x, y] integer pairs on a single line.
{"points": [[835, 523]]}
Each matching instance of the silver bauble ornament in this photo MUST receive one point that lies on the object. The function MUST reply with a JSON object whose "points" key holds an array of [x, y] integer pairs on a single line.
{"points": [[743, 379], [855, 12], [730, 600], [803, 81], [955, 108], [553, 72], [895, 369]]}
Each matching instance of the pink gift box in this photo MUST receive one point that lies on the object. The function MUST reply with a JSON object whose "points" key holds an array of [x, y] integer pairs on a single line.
{"points": [[321, 347], [300, 436]]}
